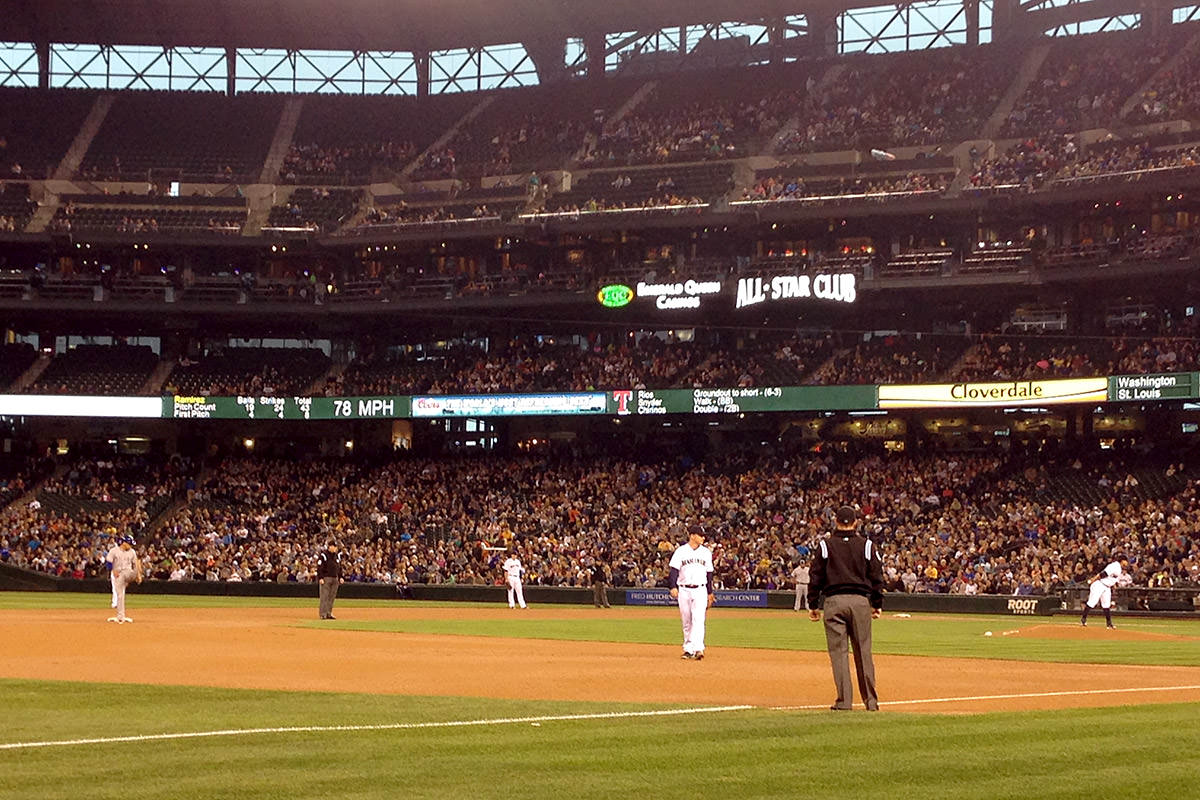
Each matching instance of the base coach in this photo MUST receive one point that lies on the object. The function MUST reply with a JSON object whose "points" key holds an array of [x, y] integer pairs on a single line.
{"points": [[847, 581]]}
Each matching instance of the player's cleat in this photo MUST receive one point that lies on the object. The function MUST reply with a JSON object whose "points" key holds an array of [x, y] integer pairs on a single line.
{"points": [[698, 657], [125, 619], [1111, 627], [113, 619], [1083, 624], [688, 656]]}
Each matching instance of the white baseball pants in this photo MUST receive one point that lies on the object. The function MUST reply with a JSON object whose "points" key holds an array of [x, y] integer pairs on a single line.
{"points": [[693, 604], [515, 592], [1100, 594]]}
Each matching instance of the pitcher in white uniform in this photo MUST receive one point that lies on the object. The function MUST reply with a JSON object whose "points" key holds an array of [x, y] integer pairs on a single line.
{"points": [[1100, 591], [691, 580], [126, 569], [512, 575]]}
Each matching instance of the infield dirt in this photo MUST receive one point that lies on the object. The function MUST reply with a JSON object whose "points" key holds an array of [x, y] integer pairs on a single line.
{"points": [[267, 649]]}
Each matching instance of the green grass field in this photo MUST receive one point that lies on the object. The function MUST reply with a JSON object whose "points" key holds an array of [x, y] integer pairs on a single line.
{"points": [[1139, 750]]}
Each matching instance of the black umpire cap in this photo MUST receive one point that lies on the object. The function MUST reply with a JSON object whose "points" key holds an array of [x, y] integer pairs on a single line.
{"points": [[846, 515]]}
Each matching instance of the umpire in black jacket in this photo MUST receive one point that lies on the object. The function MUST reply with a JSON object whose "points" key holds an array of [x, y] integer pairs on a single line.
{"points": [[847, 578], [329, 577]]}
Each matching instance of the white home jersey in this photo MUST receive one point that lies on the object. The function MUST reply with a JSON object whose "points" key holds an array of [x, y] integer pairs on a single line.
{"points": [[512, 567], [1111, 574], [693, 564]]}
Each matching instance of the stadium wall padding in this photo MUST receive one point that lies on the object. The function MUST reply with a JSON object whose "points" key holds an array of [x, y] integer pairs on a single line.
{"points": [[13, 579]]}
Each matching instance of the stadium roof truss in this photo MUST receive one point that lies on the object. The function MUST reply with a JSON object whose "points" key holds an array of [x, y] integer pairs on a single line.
{"points": [[425, 47], [99, 66]]}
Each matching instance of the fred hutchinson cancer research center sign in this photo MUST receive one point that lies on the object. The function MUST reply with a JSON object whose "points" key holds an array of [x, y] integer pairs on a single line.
{"points": [[840, 287]]}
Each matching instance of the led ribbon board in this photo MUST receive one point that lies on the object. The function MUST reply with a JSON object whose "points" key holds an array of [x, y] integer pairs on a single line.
{"points": [[1007, 394], [1157, 386]]}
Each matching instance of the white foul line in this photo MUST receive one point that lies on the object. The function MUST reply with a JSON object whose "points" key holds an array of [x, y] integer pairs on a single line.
{"points": [[1018, 696], [393, 726], [671, 712]]}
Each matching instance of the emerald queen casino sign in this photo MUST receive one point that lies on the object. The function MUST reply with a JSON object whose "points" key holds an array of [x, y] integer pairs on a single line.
{"points": [[615, 295]]}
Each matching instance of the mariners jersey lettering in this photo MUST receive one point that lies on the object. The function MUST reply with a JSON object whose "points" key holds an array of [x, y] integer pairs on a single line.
{"points": [[693, 564], [1112, 573]]}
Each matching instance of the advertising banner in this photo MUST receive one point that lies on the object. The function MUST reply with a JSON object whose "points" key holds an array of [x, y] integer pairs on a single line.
{"points": [[509, 405], [1006, 394], [729, 598], [63, 405]]}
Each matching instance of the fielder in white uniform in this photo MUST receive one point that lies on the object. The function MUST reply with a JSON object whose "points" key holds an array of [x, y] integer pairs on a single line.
{"points": [[691, 584], [512, 575], [1100, 591], [126, 569], [801, 577]]}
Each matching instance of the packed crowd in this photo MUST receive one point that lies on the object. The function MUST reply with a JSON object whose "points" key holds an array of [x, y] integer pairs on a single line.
{"points": [[1130, 157], [1001, 358], [1156, 354], [1174, 93], [403, 214], [659, 131], [603, 361], [525, 364], [891, 359], [529, 141], [78, 512], [777, 187], [666, 201], [1027, 163], [314, 160], [1084, 82], [987, 523], [271, 372], [891, 101], [1034, 162]]}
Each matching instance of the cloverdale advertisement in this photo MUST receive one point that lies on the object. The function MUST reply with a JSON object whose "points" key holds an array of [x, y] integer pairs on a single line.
{"points": [[1008, 393]]}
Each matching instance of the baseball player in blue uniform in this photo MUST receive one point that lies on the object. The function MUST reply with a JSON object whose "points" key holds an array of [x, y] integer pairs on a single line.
{"points": [[691, 582], [1100, 591]]}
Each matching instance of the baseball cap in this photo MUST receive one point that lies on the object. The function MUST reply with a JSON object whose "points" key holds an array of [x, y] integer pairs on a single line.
{"points": [[696, 529], [128, 539], [846, 515]]}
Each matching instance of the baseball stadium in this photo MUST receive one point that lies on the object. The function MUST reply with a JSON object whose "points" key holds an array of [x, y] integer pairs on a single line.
{"points": [[390, 389]]}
